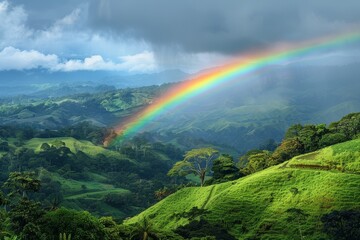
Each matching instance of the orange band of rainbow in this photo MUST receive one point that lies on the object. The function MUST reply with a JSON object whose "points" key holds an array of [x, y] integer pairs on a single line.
{"points": [[202, 83]]}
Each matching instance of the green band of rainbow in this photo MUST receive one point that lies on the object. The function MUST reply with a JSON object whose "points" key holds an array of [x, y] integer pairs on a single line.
{"points": [[190, 88]]}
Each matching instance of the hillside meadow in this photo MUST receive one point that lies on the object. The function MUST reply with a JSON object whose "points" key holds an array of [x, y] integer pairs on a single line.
{"points": [[281, 202]]}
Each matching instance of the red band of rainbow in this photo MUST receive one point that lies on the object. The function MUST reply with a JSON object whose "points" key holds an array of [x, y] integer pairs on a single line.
{"points": [[202, 83]]}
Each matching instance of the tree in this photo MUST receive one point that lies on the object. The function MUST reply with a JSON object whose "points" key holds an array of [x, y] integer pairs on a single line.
{"points": [[24, 213], [348, 125], [196, 161], [45, 147], [202, 229], [293, 131], [20, 183], [342, 225], [81, 225], [257, 162], [309, 137], [331, 139], [24, 218], [288, 148], [224, 169], [244, 159], [21, 160], [145, 230], [110, 228]]}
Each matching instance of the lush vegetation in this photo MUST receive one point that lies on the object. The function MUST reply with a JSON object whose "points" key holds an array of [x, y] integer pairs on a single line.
{"points": [[81, 175], [100, 109], [64, 184], [232, 119], [282, 202], [197, 162], [296, 190], [301, 139]]}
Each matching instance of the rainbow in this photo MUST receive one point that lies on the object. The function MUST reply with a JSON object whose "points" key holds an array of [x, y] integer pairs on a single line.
{"points": [[249, 63]]}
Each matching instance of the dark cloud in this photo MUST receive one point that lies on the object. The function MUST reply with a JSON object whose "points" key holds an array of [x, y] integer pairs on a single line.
{"points": [[42, 14], [223, 26]]}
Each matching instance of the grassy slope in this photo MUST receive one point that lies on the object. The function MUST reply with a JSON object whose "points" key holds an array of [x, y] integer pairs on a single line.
{"points": [[77, 193], [74, 145], [257, 204], [96, 188], [344, 156], [74, 189]]}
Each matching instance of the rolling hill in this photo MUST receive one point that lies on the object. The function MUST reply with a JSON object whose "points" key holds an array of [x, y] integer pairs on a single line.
{"points": [[239, 116], [248, 111], [286, 201], [75, 146], [80, 175]]}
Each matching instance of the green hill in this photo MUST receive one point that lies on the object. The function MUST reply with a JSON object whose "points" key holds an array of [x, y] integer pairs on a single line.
{"points": [[74, 145], [79, 194], [342, 156], [286, 201], [238, 117], [78, 174], [95, 186]]}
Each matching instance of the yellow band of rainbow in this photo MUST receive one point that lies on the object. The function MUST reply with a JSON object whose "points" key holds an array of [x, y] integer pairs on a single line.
{"points": [[249, 63]]}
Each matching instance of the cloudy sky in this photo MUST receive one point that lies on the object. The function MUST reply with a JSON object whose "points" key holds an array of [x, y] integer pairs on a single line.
{"points": [[154, 35]]}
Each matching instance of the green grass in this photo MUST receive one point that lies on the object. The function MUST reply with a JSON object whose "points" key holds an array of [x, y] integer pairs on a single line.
{"points": [[82, 194], [343, 156], [97, 177], [72, 188], [257, 205], [74, 145], [98, 195]]}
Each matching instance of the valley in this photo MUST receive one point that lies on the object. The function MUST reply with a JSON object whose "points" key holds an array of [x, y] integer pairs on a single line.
{"points": [[293, 190], [179, 120]]}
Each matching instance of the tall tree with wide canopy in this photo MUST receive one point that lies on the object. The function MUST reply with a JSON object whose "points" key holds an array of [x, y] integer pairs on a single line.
{"points": [[19, 183], [196, 161]]}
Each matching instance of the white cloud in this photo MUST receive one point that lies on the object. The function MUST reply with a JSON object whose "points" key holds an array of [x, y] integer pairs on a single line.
{"points": [[142, 62], [68, 38], [92, 63], [14, 59]]}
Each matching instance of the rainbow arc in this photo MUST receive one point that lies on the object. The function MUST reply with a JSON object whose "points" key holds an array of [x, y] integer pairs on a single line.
{"points": [[249, 63]]}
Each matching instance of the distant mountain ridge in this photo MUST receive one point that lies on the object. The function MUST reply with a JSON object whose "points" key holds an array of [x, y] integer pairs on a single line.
{"points": [[241, 115], [255, 108], [42, 83]]}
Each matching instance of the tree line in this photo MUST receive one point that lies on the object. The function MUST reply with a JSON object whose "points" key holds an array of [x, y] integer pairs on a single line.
{"points": [[298, 139]]}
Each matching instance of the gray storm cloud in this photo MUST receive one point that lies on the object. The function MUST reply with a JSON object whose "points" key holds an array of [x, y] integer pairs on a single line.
{"points": [[187, 34], [223, 26], [205, 25], [43, 13]]}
